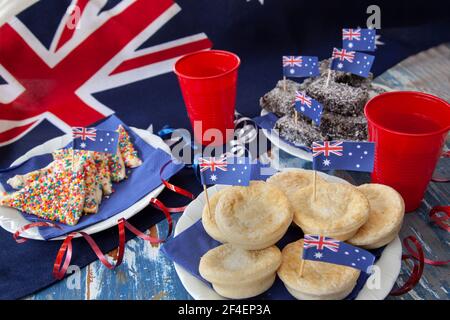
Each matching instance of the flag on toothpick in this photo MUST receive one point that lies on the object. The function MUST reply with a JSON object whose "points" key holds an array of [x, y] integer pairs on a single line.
{"points": [[225, 170], [343, 155], [95, 140], [308, 106], [300, 66], [359, 39], [351, 61], [325, 249]]}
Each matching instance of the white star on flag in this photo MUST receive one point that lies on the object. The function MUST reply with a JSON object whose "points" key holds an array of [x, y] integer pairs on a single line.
{"points": [[340, 65], [326, 162], [318, 255], [83, 145], [213, 177]]}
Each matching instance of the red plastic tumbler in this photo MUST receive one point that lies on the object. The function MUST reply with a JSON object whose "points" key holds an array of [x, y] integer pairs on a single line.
{"points": [[208, 81], [409, 130]]}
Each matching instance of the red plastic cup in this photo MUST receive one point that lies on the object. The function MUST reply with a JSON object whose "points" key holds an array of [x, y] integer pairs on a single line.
{"points": [[409, 131], [208, 81]]}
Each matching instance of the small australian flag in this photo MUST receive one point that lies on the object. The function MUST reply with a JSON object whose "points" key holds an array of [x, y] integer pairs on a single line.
{"points": [[235, 171], [308, 106], [300, 66], [325, 249], [351, 61], [343, 155], [359, 39], [93, 139]]}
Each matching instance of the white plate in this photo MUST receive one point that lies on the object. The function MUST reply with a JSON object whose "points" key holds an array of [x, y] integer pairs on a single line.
{"points": [[389, 263], [289, 148], [12, 220]]}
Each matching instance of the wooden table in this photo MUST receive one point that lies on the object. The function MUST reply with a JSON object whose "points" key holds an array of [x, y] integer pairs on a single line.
{"points": [[147, 274]]}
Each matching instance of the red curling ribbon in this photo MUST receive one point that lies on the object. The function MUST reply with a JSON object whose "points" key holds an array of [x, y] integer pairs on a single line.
{"points": [[175, 189], [65, 251], [19, 239], [440, 220], [418, 266]]}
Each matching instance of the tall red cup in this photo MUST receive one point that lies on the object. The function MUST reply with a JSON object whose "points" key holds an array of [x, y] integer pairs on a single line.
{"points": [[409, 131], [208, 81]]}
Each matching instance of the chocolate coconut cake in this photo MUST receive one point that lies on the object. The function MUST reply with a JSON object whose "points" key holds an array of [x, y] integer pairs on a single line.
{"points": [[343, 100]]}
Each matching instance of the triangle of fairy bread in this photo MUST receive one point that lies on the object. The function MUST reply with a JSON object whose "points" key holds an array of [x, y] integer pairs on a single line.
{"points": [[93, 193], [58, 194]]}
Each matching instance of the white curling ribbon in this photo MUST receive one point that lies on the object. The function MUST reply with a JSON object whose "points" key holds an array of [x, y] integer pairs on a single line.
{"points": [[248, 132]]}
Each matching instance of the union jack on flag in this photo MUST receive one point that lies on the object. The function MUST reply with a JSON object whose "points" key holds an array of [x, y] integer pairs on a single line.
{"points": [[212, 164], [320, 243], [302, 98], [343, 155], [351, 34], [338, 252], [308, 106], [357, 63], [359, 39], [300, 66], [96, 46], [84, 133], [291, 61], [327, 148], [343, 55]]}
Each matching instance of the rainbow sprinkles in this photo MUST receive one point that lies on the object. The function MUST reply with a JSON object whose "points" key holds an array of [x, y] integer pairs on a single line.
{"points": [[73, 184]]}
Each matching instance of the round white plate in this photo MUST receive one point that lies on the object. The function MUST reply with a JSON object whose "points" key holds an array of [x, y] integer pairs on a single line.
{"points": [[389, 263], [293, 150], [12, 220]]}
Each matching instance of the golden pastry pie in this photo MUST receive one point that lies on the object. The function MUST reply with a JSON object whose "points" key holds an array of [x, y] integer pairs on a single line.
{"points": [[319, 280], [209, 217], [238, 273], [387, 209], [253, 217], [338, 210], [292, 180]]}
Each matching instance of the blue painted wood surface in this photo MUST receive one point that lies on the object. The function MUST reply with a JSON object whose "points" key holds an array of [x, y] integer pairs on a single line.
{"points": [[147, 274]]}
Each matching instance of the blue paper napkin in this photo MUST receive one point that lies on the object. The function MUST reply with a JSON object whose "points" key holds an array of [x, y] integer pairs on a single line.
{"points": [[268, 121], [188, 247], [140, 182]]}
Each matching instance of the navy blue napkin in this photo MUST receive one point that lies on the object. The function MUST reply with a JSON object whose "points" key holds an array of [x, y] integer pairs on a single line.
{"points": [[140, 182], [188, 247]]}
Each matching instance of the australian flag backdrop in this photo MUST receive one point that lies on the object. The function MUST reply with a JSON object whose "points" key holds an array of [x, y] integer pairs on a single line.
{"points": [[63, 68]]}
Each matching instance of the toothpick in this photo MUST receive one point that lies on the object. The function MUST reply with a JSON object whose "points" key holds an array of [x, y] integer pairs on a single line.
{"points": [[207, 200], [314, 184], [302, 266], [328, 78], [296, 116], [284, 83]]}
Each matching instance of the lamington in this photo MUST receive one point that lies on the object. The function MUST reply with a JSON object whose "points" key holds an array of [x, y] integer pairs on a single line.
{"points": [[343, 99], [300, 133]]}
